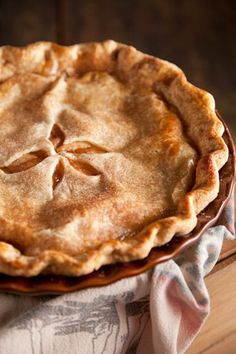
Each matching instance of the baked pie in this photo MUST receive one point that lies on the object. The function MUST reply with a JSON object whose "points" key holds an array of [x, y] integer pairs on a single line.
{"points": [[105, 153]]}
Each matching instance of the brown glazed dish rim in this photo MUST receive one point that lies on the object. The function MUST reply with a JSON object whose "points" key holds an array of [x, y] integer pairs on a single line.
{"points": [[56, 284]]}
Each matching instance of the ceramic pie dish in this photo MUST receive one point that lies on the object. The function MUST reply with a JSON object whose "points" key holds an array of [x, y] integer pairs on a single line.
{"points": [[108, 153]]}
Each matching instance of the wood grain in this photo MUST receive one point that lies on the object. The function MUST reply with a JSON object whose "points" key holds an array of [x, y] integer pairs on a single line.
{"points": [[229, 248]]}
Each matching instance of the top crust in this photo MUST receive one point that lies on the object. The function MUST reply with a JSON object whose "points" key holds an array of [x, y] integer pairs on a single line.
{"points": [[109, 71]]}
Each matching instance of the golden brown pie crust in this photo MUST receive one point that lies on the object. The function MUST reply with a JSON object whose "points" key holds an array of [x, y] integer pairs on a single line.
{"points": [[106, 153]]}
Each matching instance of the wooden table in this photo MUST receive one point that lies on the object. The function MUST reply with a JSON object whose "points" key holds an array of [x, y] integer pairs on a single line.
{"points": [[199, 36], [218, 335]]}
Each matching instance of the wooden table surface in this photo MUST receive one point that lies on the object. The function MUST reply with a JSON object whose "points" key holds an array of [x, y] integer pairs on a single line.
{"points": [[199, 36]]}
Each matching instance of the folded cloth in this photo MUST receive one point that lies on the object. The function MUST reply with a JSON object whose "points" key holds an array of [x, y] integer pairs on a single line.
{"points": [[159, 311]]}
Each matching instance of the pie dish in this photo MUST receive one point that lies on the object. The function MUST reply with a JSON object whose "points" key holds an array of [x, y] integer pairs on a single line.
{"points": [[107, 152]]}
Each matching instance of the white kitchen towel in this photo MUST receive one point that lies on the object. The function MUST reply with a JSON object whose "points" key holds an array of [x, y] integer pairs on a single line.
{"points": [[160, 311]]}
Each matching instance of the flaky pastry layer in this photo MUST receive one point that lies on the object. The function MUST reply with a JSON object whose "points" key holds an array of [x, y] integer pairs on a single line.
{"points": [[106, 153]]}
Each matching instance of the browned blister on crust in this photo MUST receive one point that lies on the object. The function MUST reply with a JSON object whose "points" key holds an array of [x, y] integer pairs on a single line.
{"points": [[106, 153]]}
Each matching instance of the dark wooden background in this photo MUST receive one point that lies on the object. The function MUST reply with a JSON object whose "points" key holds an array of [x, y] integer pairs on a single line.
{"points": [[198, 35]]}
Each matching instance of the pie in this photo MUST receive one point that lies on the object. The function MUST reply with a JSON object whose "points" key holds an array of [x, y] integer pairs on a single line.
{"points": [[105, 153]]}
